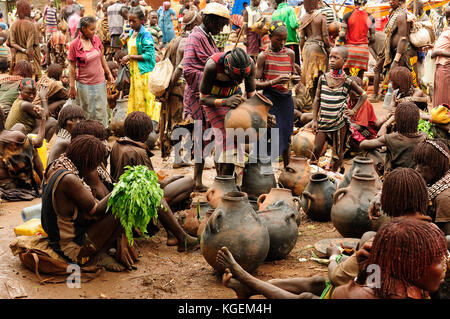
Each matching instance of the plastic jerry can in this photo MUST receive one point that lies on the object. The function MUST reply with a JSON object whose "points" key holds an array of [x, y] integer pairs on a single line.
{"points": [[30, 228], [32, 212]]}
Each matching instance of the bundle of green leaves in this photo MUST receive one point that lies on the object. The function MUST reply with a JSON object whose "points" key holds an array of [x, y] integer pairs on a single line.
{"points": [[135, 199], [425, 126]]}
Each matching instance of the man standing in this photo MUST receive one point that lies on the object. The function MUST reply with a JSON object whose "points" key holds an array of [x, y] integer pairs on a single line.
{"points": [[115, 21], [51, 23], [286, 13], [252, 14], [198, 48]]}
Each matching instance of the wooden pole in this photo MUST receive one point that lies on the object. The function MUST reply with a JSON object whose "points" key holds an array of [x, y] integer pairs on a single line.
{"points": [[238, 37]]}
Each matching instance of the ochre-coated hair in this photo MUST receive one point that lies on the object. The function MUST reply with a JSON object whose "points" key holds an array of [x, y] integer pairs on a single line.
{"points": [[23, 68], [138, 126], [54, 71], [404, 192], [86, 152], [403, 249], [70, 112], [23, 9], [89, 127], [403, 77], [407, 117], [428, 155]]}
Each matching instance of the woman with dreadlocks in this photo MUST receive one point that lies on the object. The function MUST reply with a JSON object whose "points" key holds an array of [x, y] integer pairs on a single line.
{"points": [[400, 145], [219, 92], [432, 158], [77, 225], [274, 68], [409, 269], [404, 91]]}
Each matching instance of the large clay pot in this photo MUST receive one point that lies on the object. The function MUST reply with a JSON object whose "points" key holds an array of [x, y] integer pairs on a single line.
{"points": [[280, 194], [279, 219], [235, 225], [351, 204], [303, 143], [222, 184], [318, 198], [203, 222], [296, 175], [153, 137], [258, 177], [252, 113], [118, 116], [361, 165]]}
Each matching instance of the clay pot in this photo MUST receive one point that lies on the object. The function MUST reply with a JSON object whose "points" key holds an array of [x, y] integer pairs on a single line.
{"points": [[303, 143], [252, 113], [258, 177], [334, 28], [280, 220], [153, 137], [318, 197], [118, 116], [280, 194], [203, 222], [235, 225], [296, 175], [190, 219], [222, 184], [361, 165], [351, 204]]}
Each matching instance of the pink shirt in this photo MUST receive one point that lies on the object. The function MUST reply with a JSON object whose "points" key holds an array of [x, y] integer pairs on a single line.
{"points": [[92, 73], [443, 43]]}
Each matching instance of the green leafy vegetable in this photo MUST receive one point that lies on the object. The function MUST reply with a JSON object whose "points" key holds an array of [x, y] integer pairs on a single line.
{"points": [[135, 199], [425, 126]]}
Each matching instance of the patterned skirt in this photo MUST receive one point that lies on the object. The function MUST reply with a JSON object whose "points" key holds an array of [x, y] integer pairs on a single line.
{"points": [[358, 56]]}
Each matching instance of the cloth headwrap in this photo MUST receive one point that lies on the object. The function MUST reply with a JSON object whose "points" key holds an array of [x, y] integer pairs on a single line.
{"points": [[27, 82], [243, 71], [440, 149], [166, 5], [276, 25]]}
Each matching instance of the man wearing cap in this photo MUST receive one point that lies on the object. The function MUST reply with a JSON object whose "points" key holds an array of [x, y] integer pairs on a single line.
{"points": [[198, 48]]}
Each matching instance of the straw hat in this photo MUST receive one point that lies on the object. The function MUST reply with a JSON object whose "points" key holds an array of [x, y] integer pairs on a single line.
{"points": [[217, 9]]}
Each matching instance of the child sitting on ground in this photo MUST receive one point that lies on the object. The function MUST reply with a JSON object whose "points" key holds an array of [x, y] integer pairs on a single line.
{"points": [[330, 112], [111, 93]]}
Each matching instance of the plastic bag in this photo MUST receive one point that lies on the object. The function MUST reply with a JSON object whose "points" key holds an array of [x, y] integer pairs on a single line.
{"points": [[123, 79], [160, 77]]}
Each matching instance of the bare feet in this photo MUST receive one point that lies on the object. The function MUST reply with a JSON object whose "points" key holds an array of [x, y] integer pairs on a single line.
{"points": [[189, 243], [226, 259], [171, 240], [241, 290], [200, 188], [182, 164], [109, 263]]}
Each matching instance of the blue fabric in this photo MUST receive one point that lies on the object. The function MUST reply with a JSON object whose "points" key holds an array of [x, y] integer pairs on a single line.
{"points": [[166, 24], [146, 48], [92, 99]]}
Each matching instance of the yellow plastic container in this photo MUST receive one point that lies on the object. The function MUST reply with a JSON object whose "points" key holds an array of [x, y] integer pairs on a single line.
{"points": [[30, 228], [42, 151]]}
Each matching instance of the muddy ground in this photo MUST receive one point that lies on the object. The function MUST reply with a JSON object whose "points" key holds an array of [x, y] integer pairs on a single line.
{"points": [[162, 272]]}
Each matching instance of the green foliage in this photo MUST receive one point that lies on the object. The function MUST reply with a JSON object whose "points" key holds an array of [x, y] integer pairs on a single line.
{"points": [[425, 126], [135, 199]]}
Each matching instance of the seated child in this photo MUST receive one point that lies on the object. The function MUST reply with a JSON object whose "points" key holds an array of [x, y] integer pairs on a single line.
{"points": [[112, 93], [65, 79], [330, 112]]}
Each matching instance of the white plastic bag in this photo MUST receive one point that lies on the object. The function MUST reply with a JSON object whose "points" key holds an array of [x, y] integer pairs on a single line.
{"points": [[160, 77]]}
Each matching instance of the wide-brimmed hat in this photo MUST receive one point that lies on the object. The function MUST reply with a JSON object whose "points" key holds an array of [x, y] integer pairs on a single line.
{"points": [[217, 9]]}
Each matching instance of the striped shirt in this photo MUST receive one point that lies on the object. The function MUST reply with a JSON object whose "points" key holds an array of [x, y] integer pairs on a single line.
{"points": [[4, 52], [333, 102], [277, 63], [328, 13], [50, 19]]}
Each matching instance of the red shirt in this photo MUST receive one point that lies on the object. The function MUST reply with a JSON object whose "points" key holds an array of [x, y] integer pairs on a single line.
{"points": [[358, 24], [89, 63]]}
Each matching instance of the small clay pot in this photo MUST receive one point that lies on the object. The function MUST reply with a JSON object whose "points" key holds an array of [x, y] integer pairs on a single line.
{"points": [[280, 220], [235, 225], [188, 221], [351, 205], [278, 194], [296, 175], [317, 198], [303, 143], [222, 184], [258, 177], [361, 165]]}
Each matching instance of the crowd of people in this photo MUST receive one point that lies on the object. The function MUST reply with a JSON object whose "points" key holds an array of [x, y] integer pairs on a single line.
{"points": [[64, 74]]}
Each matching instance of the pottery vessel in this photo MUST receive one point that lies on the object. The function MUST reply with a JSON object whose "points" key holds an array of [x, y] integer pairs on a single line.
{"points": [[191, 219], [317, 199], [280, 220], [278, 194], [361, 165], [303, 143], [251, 114], [258, 177], [203, 221], [222, 184], [351, 205], [235, 225], [296, 175]]}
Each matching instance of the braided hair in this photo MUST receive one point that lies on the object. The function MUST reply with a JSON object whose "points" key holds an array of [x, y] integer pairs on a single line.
{"points": [[403, 249], [407, 117], [138, 126], [277, 26], [23, 68], [70, 112], [138, 12], [403, 77], [23, 9], [404, 192], [85, 22], [86, 152], [89, 127], [238, 62], [427, 154]]}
